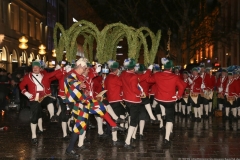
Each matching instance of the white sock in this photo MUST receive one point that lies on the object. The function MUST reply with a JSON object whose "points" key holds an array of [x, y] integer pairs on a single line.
{"points": [[134, 133], [114, 136], [129, 135], [210, 106], [220, 106], [149, 110], [59, 110], [33, 129], [122, 117], [238, 111], [50, 108], [163, 110], [100, 125], [234, 111], [195, 112], [40, 124], [154, 104], [111, 112], [81, 139], [169, 126], [227, 111], [201, 110], [188, 109], [176, 107], [64, 128], [206, 109], [160, 119], [183, 109], [179, 107], [69, 127], [141, 126]]}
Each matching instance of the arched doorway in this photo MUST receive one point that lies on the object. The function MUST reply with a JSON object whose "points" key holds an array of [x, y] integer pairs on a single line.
{"points": [[13, 61], [31, 58], [24, 59], [4, 58]]}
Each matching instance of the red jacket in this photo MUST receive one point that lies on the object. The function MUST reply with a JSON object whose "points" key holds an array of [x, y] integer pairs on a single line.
{"points": [[232, 88], [97, 85], [166, 83], [196, 85], [113, 85], [143, 82], [222, 83], [32, 88], [207, 81], [61, 77], [131, 92]]}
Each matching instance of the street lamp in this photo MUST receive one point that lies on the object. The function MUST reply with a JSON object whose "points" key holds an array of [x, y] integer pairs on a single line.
{"points": [[54, 53], [23, 45], [42, 49]]}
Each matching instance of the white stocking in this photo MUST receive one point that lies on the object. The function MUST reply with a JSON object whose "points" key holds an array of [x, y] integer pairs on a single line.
{"points": [[160, 119], [100, 125], [149, 110], [210, 106], [50, 108], [234, 111], [220, 106], [114, 136], [81, 139], [134, 133], [131, 129], [183, 109], [40, 124], [111, 112], [59, 110], [163, 110], [227, 111], [33, 129], [206, 109], [195, 112], [141, 126], [64, 128], [169, 126], [188, 109]]}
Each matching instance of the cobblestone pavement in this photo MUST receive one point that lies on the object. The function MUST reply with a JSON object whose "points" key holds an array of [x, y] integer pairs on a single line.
{"points": [[212, 138]]}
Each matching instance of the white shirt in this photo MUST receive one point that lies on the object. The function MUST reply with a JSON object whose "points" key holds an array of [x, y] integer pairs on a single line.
{"points": [[39, 78]]}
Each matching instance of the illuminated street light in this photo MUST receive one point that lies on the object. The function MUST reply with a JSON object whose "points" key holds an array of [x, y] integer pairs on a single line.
{"points": [[54, 53], [42, 49], [23, 42]]}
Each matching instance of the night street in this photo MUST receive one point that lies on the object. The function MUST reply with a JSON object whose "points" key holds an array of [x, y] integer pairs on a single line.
{"points": [[209, 139]]}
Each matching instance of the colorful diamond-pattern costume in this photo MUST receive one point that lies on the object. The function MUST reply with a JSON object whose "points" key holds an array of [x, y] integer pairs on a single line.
{"points": [[82, 105]]}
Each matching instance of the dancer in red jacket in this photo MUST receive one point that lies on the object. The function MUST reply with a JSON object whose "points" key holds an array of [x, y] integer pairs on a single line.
{"points": [[132, 97], [38, 92], [166, 83]]}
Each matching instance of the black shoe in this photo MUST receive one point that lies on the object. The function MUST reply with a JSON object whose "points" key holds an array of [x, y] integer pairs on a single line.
{"points": [[166, 143], [120, 120], [104, 135], [83, 148], [141, 137], [66, 138], [118, 128], [86, 141], [117, 143], [128, 146], [39, 132], [155, 121], [133, 140], [72, 153], [198, 119], [206, 116], [226, 117], [53, 119], [34, 141], [161, 129]]}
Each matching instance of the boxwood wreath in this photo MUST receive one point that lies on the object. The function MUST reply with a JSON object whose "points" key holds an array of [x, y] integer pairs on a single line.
{"points": [[106, 40]]}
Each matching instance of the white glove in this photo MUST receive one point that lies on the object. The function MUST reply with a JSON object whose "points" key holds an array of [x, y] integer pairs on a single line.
{"points": [[67, 68], [190, 80], [28, 95], [150, 67], [57, 67], [98, 68]]}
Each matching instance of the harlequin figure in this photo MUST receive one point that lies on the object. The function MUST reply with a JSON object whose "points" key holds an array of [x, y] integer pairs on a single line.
{"points": [[195, 97], [166, 95], [83, 105], [39, 94], [221, 87]]}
